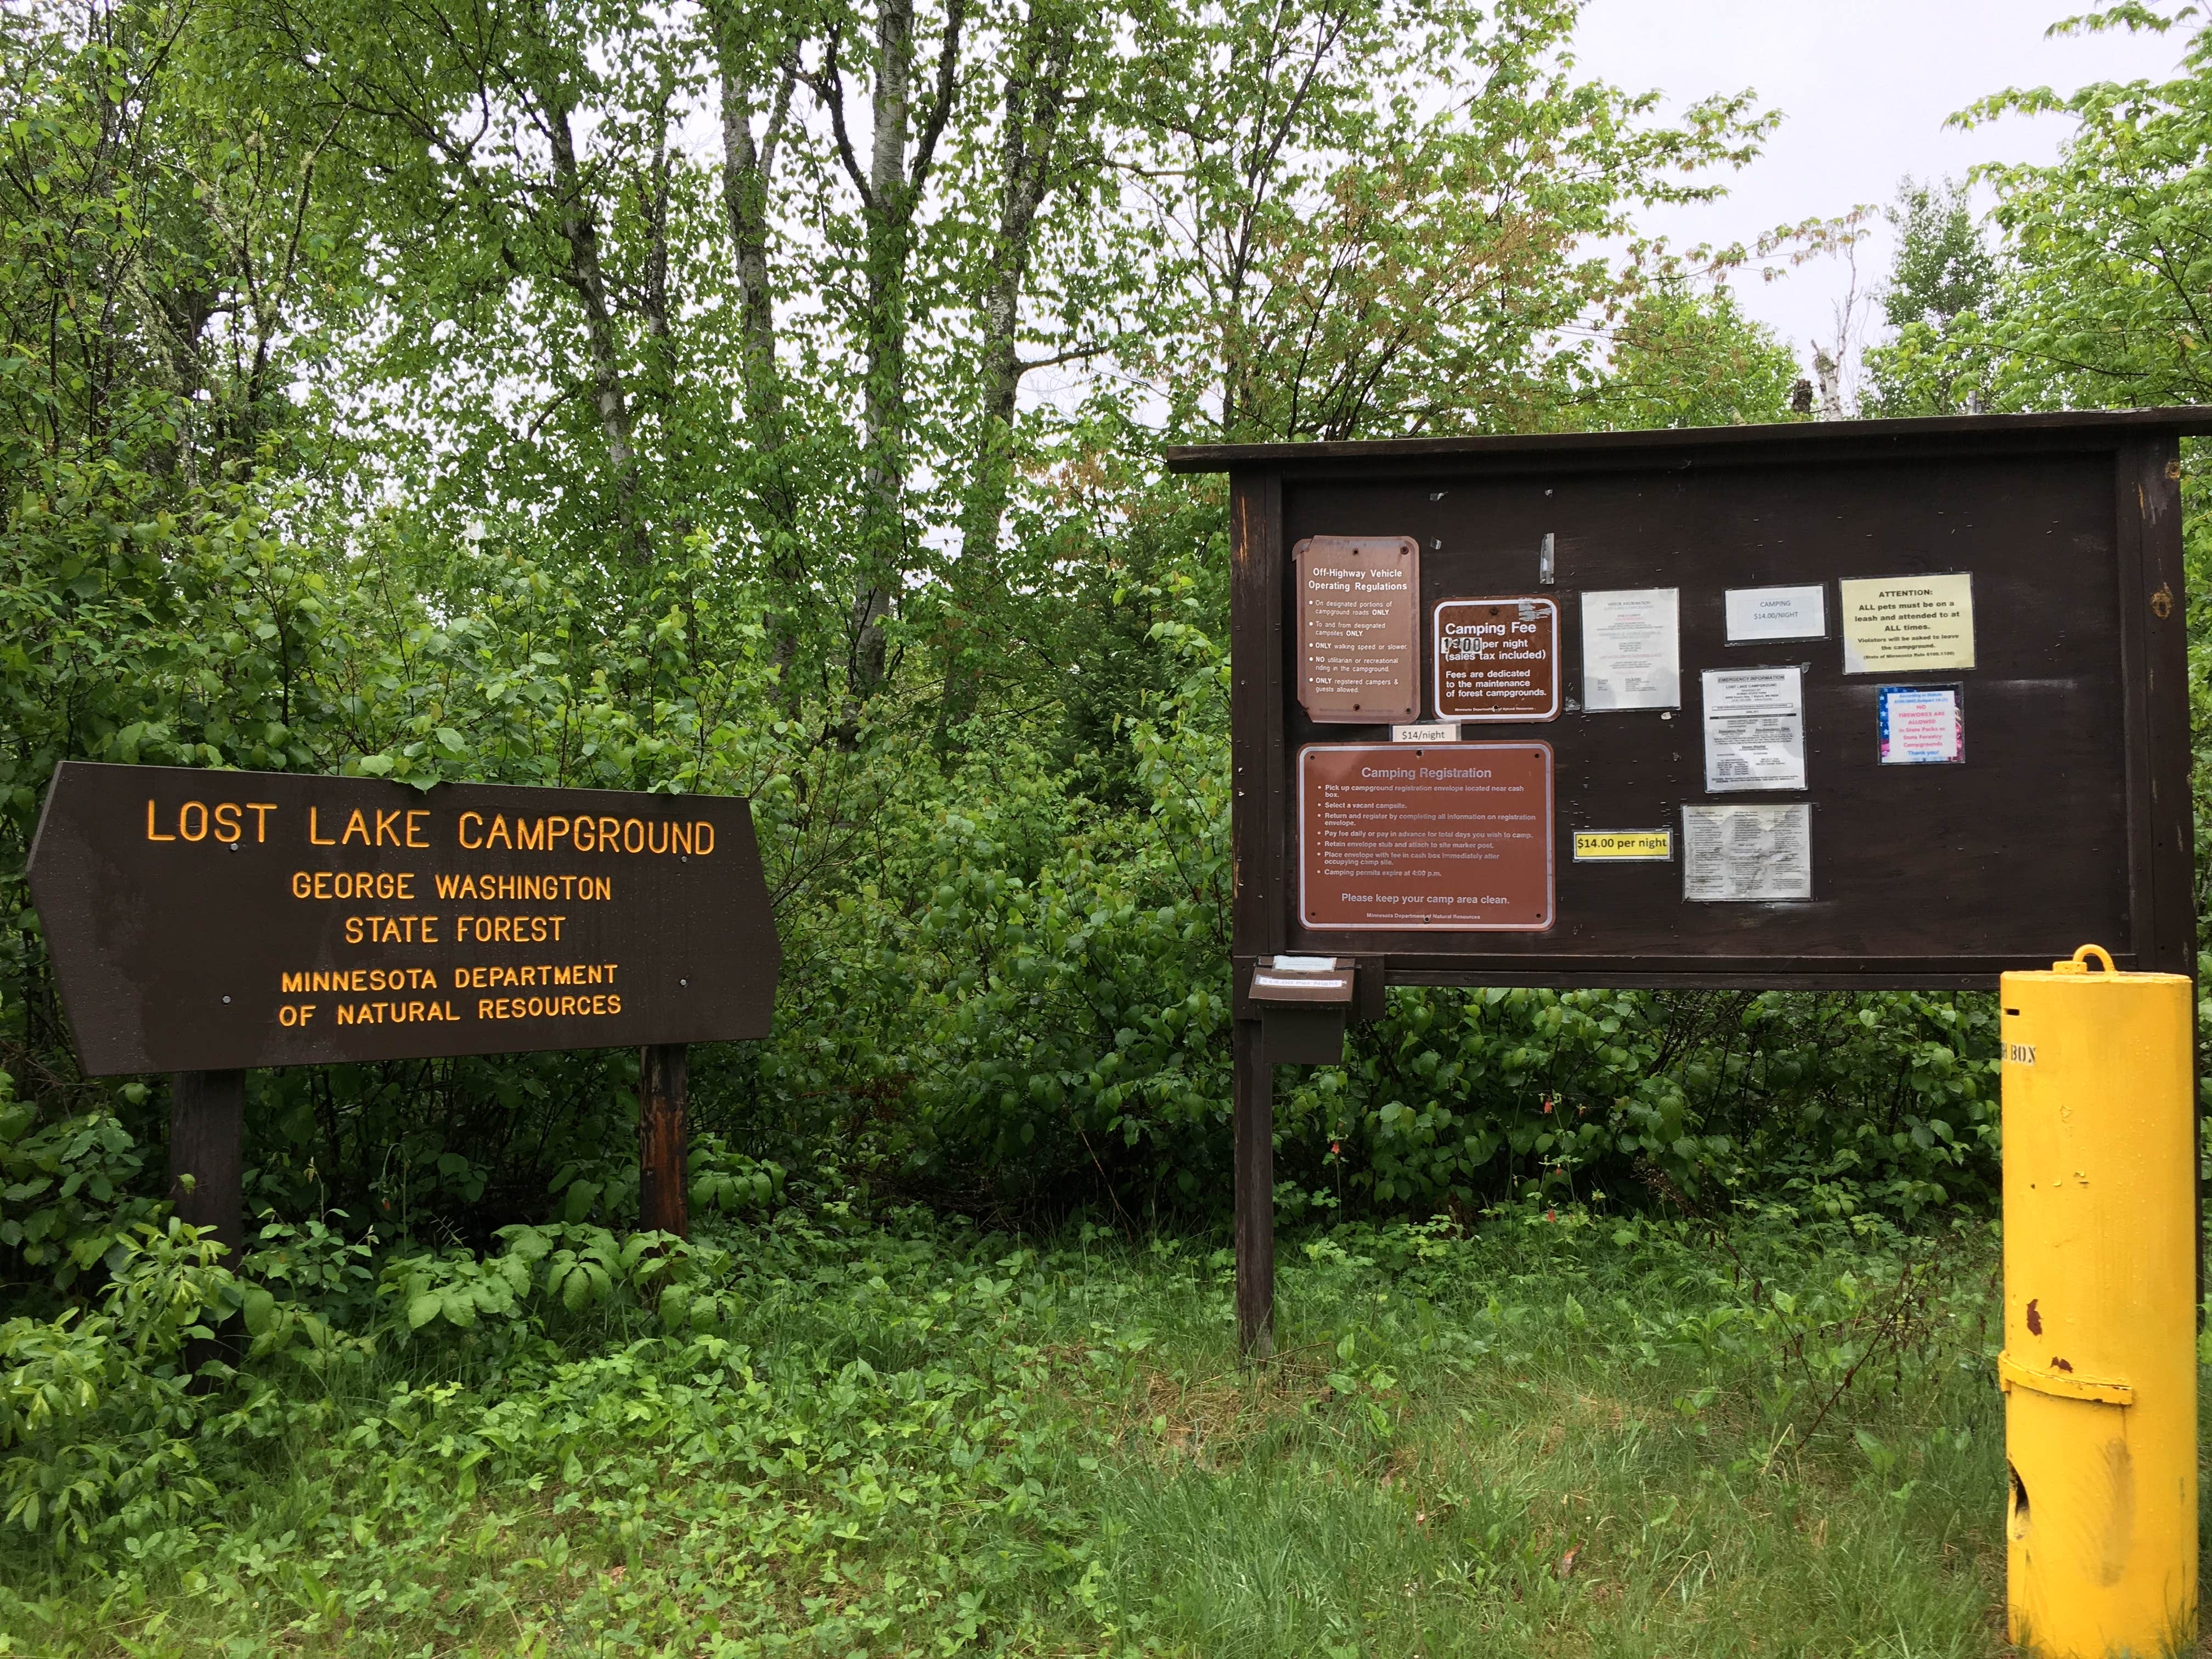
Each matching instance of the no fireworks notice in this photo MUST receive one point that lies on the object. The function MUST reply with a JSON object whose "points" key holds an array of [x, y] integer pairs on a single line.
{"points": [[216, 920], [1450, 836]]}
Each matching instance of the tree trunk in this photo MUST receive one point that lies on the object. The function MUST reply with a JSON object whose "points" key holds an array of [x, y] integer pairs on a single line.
{"points": [[1035, 101], [747, 175], [664, 1139], [889, 244], [580, 232], [890, 189]]}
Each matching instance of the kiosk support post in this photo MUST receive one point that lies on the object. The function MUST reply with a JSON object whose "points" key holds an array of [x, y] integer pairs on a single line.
{"points": [[1253, 1105], [663, 1138], [207, 1118]]}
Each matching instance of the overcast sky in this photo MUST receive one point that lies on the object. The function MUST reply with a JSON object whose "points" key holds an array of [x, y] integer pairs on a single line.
{"points": [[1865, 85]]}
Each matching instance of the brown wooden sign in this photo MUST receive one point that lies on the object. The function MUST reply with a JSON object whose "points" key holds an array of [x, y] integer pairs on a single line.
{"points": [[1358, 647], [211, 920], [1497, 660], [1455, 837]]}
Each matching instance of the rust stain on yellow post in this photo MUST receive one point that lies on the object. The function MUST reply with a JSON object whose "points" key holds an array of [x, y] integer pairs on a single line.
{"points": [[2099, 1362]]}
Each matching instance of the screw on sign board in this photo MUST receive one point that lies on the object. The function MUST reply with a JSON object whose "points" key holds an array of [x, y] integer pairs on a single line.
{"points": [[207, 922], [1751, 656]]}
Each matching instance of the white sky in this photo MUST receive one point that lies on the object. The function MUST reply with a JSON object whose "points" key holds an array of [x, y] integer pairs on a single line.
{"points": [[1866, 86]]}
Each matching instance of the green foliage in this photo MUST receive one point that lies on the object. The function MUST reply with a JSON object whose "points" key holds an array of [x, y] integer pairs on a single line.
{"points": [[726, 1181], [350, 423], [1073, 1009], [1683, 358], [404, 392], [1943, 270], [1941, 299], [67, 1190], [315, 1266], [96, 1417], [919, 1437], [2106, 251]]}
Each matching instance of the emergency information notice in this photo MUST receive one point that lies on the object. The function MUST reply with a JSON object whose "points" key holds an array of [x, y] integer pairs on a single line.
{"points": [[1754, 729], [1456, 837]]}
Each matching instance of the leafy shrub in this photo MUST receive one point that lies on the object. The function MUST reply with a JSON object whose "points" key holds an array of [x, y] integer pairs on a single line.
{"points": [[96, 1412], [317, 1267], [725, 1181], [542, 1272], [1069, 1033], [68, 1190]]}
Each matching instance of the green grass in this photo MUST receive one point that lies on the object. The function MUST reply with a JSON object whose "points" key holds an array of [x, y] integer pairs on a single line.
{"points": [[1552, 1437]]}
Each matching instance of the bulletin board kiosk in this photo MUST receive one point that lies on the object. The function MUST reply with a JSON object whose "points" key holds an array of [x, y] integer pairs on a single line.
{"points": [[1849, 706]]}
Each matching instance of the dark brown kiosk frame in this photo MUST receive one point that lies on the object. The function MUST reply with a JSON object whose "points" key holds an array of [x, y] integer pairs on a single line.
{"points": [[2065, 818]]}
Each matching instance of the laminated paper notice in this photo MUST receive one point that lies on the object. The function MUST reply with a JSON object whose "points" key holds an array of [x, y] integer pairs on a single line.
{"points": [[1754, 729], [1755, 614], [1920, 726], [1899, 623], [1746, 853], [1632, 649]]}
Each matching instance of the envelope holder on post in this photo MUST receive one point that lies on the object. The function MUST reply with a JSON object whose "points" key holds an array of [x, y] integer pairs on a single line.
{"points": [[1303, 1002]]}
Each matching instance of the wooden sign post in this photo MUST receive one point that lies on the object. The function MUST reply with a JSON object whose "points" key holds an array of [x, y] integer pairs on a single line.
{"points": [[204, 923], [1847, 706], [663, 1133]]}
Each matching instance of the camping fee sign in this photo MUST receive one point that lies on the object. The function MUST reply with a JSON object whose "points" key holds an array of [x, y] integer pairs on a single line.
{"points": [[209, 920]]}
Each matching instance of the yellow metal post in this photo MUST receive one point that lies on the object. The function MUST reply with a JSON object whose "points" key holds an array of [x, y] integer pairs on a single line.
{"points": [[2100, 1361]]}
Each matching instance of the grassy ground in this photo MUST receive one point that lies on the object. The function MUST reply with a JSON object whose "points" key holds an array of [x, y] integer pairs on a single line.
{"points": [[1556, 1436]]}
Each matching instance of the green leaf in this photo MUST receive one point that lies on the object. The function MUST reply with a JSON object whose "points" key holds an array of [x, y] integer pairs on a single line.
{"points": [[260, 1309]]}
